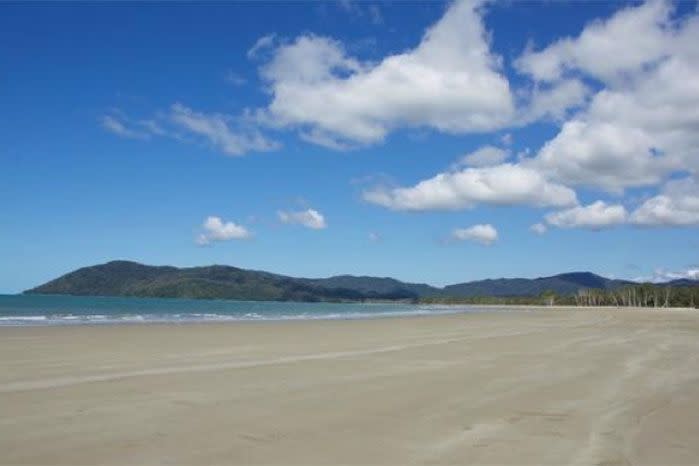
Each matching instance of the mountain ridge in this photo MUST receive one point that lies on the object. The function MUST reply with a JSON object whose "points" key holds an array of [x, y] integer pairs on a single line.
{"points": [[128, 278]]}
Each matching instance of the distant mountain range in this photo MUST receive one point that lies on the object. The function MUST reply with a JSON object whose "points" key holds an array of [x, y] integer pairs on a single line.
{"points": [[124, 278]]}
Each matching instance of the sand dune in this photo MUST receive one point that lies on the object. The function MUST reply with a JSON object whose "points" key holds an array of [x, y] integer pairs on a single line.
{"points": [[540, 387]]}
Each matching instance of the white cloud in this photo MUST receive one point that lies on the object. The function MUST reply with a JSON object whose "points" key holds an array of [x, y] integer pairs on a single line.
{"points": [[538, 228], [663, 275], [484, 157], [450, 82], [643, 124], [484, 234], [553, 101], [506, 139], [595, 216], [602, 154], [309, 218], [215, 229], [628, 109], [506, 184], [624, 43], [229, 135], [118, 127], [676, 205], [216, 129]]}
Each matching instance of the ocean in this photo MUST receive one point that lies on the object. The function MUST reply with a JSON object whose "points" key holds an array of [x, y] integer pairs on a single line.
{"points": [[19, 310]]}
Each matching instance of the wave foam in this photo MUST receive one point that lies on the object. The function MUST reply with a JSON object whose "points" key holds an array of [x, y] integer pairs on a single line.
{"points": [[76, 319]]}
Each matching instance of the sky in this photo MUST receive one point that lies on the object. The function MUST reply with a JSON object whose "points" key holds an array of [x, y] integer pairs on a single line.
{"points": [[431, 142]]}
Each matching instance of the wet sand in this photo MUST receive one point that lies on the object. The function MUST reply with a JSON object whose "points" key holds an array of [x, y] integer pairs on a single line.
{"points": [[559, 387]]}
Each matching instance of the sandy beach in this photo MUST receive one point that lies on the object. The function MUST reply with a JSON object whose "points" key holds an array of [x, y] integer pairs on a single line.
{"points": [[601, 387]]}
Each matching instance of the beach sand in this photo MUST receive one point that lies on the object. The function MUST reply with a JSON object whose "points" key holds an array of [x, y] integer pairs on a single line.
{"points": [[540, 387]]}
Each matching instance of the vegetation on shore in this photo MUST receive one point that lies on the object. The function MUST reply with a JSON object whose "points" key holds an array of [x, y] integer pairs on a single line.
{"points": [[124, 278], [638, 295]]}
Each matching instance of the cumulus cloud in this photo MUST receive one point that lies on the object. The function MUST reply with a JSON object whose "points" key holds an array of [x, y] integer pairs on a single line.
{"points": [[643, 124], [538, 228], [450, 82], [676, 205], [595, 216], [603, 49], [483, 157], [506, 184], [309, 218], [627, 111], [484, 234], [601, 154], [552, 100], [215, 229]]}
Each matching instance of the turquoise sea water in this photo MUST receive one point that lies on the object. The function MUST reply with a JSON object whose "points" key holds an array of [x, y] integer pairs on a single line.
{"points": [[71, 310]]}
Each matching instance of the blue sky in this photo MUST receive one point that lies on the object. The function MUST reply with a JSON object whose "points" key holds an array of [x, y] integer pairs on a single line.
{"points": [[432, 142]]}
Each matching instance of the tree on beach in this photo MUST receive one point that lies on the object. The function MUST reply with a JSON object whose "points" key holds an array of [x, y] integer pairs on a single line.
{"points": [[549, 297]]}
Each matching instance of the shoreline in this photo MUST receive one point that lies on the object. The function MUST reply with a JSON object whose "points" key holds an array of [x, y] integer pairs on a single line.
{"points": [[438, 310]]}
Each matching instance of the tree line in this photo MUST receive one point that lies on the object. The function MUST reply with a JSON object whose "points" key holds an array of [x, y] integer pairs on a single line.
{"points": [[641, 295]]}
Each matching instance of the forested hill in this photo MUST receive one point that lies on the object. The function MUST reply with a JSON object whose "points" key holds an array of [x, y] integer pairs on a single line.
{"points": [[562, 284], [124, 278]]}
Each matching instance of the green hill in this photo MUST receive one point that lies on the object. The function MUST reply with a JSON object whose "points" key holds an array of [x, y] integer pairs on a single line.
{"points": [[562, 284], [124, 278]]}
